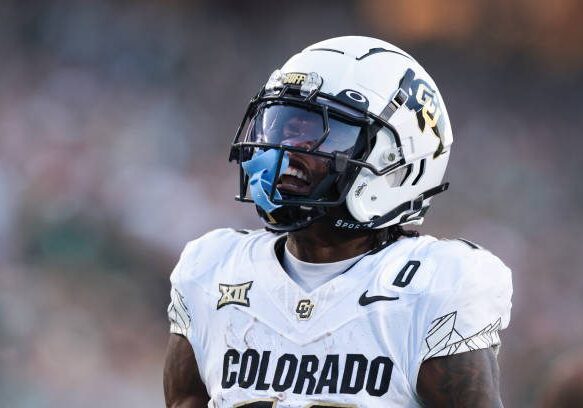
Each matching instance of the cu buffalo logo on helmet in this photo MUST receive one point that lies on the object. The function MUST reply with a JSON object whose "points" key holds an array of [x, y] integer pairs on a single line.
{"points": [[424, 101]]}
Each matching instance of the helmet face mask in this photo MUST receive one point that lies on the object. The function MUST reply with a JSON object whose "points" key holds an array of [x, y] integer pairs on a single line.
{"points": [[320, 149]]}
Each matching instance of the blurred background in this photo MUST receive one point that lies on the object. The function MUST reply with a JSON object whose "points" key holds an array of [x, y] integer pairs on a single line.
{"points": [[115, 123]]}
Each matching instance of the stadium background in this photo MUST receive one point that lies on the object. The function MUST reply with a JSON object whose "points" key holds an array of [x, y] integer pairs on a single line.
{"points": [[115, 122]]}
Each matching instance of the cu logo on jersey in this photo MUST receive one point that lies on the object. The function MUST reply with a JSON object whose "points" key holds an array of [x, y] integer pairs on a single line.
{"points": [[234, 294], [304, 309]]}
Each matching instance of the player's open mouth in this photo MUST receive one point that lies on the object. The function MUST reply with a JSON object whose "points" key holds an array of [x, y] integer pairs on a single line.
{"points": [[297, 173], [295, 180]]}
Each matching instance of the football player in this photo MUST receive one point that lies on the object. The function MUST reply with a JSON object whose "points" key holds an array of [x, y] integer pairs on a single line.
{"points": [[335, 304]]}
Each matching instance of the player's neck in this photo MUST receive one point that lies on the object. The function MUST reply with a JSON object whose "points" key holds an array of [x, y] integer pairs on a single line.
{"points": [[319, 243]]}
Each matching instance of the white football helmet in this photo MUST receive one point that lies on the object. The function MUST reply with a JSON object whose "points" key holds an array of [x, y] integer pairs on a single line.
{"points": [[353, 123]]}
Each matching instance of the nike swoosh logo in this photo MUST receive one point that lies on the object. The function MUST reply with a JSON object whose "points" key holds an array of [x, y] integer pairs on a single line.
{"points": [[367, 300]]}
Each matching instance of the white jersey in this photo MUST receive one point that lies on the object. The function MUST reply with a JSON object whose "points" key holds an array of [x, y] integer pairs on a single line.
{"points": [[356, 341]]}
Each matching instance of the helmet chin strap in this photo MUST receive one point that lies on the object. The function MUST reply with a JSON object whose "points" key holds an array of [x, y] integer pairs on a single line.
{"points": [[262, 169], [290, 218], [343, 220], [408, 207]]}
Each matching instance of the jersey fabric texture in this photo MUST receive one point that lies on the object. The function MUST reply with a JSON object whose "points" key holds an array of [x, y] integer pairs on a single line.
{"points": [[358, 340]]}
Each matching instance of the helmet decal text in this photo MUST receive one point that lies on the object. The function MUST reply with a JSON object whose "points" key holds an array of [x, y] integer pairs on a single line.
{"points": [[293, 78]]}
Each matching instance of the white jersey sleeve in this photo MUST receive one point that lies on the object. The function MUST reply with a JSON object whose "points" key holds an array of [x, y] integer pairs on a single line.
{"points": [[196, 259], [468, 301], [179, 313]]}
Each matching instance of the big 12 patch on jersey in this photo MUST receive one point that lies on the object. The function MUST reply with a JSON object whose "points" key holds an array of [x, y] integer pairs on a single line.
{"points": [[234, 294]]}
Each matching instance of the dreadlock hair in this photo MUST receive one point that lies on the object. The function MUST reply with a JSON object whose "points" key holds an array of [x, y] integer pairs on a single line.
{"points": [[391, 234]]}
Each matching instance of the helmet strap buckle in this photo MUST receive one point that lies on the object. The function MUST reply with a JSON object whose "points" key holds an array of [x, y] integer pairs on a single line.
{"points": [[417, 203]]}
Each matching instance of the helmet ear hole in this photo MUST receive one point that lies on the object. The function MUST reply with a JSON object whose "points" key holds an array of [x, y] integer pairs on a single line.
{"points": [[407, 172], [398, 177]]}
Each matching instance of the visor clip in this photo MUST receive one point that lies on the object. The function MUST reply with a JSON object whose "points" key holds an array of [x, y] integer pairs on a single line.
{"points": [[340, 162]]}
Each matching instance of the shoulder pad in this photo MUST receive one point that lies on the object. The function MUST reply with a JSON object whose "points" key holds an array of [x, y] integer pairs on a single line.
{"points": [[460, 264]]}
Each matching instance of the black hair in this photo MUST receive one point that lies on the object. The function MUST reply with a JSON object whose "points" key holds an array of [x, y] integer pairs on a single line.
{"points": [[391, 234]]}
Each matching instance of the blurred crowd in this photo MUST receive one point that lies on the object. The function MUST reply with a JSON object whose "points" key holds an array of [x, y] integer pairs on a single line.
{"points": [[115, 124]]}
